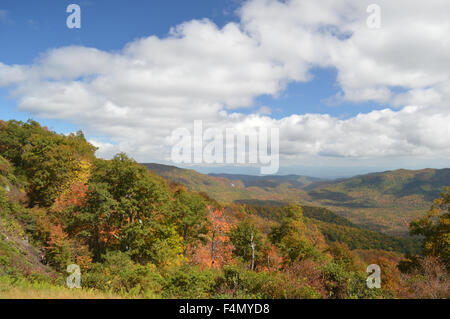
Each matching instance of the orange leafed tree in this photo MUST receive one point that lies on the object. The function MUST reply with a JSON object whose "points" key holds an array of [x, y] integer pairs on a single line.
{"points": [[273, 262], [217, 252], [57, 251]]}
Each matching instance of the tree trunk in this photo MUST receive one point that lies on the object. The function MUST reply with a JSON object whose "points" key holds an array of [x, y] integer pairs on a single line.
{"points": [[213, 248], [252, 244]]}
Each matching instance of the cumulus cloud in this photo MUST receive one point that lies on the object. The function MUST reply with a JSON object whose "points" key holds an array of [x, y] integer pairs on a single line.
{"points": [[410, 50], [139, 95]]}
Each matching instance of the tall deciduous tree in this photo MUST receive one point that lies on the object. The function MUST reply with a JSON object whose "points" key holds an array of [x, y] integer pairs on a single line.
{"points": [[291, 236], [248, 242], [190, 215]]}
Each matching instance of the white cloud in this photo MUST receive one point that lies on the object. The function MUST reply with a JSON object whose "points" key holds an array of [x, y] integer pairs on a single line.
{"points": [[410, 50], [12, 75], [138, 95]]}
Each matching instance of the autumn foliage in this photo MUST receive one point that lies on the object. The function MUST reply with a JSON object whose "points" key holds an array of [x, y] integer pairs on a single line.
{"points": [[217, 251], [133, 233]]}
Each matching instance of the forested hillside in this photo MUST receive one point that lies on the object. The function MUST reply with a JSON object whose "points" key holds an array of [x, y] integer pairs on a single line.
{"points": [[338, 229], [385, 201], [133, 234], [227, 190], [270, 181], [425, 184]]}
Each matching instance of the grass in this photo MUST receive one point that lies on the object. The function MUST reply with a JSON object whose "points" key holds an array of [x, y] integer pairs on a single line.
{"points": [[23, 289]]}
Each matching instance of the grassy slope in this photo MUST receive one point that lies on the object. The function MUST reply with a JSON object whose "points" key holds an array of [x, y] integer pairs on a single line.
{"points": [[43, 290]]}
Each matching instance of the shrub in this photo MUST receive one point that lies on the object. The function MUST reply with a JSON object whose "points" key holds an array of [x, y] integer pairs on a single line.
{"points": [[119, 274], [191, 282], [429, 279]]}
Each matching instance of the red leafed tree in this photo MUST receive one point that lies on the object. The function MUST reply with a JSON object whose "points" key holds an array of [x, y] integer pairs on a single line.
{"points": [[221, 247], [217, 252], [274, 261]]}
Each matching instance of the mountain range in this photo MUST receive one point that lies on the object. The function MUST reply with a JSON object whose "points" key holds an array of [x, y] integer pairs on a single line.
{"points": [[384, 201]]}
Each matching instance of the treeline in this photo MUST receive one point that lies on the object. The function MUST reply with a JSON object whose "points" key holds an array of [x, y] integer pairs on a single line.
{"points": [[136, 235]]}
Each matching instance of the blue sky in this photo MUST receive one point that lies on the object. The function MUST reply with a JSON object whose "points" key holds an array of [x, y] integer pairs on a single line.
{"points": [[374, 99], [33, 27]]}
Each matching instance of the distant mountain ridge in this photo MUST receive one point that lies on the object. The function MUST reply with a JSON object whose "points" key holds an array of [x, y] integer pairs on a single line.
{"points": [[239, 187], [298, 181], [401, 183], [427, 183]]}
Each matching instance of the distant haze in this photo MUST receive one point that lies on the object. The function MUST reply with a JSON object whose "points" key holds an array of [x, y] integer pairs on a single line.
{"points": [[325, 172]]}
